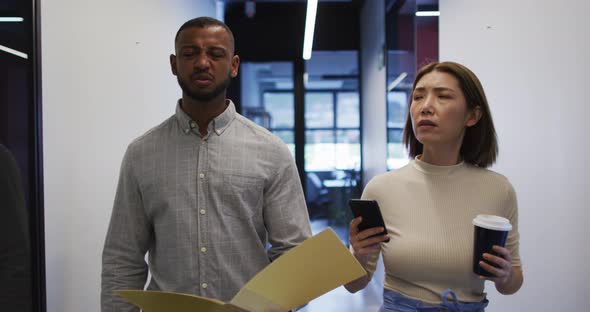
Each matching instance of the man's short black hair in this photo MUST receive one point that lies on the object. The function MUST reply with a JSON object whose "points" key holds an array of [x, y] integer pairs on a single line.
{"points": [[203, 22]]}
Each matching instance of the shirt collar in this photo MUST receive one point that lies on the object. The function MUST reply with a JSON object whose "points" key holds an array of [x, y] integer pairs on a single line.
{"points": [[218, 125], [435, 169]]}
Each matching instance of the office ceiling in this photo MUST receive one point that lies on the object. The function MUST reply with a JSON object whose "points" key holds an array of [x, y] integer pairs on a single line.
{"points": [[327, 66], [15, 35]]}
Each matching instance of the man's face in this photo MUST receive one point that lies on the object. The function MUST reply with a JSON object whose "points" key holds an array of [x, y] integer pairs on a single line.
{"points": [[204, 62]]}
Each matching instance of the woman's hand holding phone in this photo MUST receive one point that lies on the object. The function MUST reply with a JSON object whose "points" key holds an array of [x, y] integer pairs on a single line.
{"points": [[366, 242]]}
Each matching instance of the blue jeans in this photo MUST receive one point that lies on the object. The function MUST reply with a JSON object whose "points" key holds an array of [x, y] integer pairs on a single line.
{"points": [[396, 302]]}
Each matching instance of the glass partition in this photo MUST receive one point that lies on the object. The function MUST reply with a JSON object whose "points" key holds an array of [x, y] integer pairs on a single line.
{"points": [[412, 42], [332, 138], [22, 257]]}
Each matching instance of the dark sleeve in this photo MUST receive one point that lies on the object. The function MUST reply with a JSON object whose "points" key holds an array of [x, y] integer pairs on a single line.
{"points": [[15, 261]]}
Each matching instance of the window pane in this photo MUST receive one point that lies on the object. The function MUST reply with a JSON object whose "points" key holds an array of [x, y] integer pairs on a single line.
{"points": [[320, 152], [288, 137], [348, 110], [319, 110], [281, 109], [348, 136], [267, 94], [319, 136], [397, 109], [395, 135], [348, 149], [396, 152]]}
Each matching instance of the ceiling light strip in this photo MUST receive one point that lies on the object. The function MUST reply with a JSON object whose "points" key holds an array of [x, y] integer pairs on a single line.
{"points": [[8, 19], [397, 80], [312, 7], [14, 52], [427, 13]]}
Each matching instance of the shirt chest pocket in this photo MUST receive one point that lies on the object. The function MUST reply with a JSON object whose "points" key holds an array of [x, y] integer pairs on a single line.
{"points": [[241, 196]]}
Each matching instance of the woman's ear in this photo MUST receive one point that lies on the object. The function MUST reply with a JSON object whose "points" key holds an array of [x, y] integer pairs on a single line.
{"points": [[474, 116]]}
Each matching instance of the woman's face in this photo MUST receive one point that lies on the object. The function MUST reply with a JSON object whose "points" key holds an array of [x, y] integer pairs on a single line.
{"points": [[439, 111]]}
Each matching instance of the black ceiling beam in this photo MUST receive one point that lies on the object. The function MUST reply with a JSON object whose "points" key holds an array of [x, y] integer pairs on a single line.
{"points": [[275, 32]]}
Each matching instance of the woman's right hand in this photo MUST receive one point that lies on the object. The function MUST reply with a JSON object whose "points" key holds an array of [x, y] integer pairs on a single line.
{"points": [[362, 244]]}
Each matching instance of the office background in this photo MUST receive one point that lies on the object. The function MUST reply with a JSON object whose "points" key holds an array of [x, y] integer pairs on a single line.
{"points": [[106, 80]]}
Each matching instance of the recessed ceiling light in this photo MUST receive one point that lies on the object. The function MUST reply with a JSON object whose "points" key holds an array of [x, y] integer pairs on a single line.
{"points": [[8, 19], [427, 13], [13, 52], [312, 7]]}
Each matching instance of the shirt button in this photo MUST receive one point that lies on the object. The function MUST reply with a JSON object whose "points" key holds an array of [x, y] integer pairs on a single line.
{"points": [[193, 124], [203, 249], [202, 211], [201, 175], [204, 285]]}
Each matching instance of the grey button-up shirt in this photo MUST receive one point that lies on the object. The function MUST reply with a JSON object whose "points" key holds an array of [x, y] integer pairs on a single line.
{"points": [[203, 208]]}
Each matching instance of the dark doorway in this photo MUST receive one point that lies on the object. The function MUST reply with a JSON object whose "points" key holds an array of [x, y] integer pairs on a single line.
{"points": [[20, 131]]}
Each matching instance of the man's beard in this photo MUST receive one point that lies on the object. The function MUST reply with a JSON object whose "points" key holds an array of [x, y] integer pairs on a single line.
{"points": [[204, 96]]}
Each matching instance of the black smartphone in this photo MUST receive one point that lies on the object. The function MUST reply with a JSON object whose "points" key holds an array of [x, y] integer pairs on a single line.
{"points": [[369, 210]]}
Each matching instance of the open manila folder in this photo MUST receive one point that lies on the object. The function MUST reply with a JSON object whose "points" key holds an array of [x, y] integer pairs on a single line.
{"points": [[318, 265]]}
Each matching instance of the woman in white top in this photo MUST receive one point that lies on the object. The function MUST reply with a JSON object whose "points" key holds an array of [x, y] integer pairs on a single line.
{"points": [[429, 204]]}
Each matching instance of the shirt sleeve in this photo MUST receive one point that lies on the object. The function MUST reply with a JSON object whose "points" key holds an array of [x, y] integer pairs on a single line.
{"points": [[128, 239], [285, 212], [513, 241]]}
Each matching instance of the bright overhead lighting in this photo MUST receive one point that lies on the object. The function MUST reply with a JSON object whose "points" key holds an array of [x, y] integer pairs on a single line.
{"points": [[427, 13], [11, 19], [312, 7], [397, 80], [14, 52]]}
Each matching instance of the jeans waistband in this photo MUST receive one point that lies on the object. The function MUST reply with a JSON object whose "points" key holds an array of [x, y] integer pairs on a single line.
{"points": [[394, 301]]}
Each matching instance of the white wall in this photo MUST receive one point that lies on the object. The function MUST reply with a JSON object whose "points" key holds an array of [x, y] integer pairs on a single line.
{"points": [[106, 80], [532, 58], [373, 96]]}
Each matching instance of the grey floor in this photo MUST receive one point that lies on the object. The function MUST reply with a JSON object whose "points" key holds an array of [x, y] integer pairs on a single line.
{"points": [[339, 299]]}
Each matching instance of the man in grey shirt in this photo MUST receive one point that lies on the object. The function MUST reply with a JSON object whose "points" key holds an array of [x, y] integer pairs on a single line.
{"points": [[206, 191]]}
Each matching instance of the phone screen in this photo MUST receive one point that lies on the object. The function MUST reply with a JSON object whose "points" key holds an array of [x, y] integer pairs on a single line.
{"points": [[369, 210]]}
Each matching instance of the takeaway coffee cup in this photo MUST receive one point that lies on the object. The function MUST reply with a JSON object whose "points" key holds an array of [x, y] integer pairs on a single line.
{"points": [[488, 231]]}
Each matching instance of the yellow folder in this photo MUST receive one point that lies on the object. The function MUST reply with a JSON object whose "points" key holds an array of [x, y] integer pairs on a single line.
{"points": [[318, 265]]}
